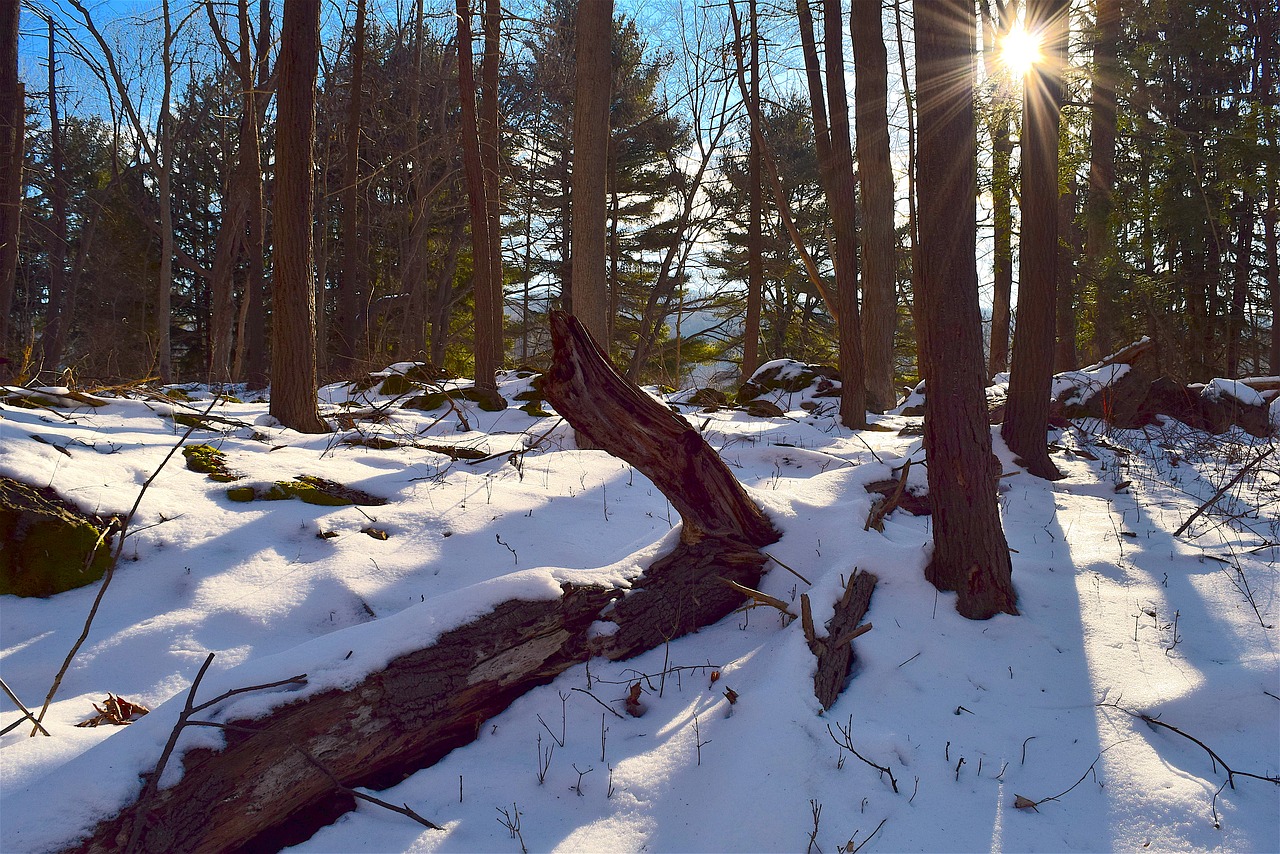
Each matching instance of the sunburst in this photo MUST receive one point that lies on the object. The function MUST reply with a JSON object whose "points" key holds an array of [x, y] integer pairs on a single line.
{"points": [[1020, 50]]}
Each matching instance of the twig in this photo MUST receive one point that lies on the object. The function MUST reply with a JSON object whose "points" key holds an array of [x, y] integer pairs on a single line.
{"points": [[1231, 772], [121, 527], [787, 568], [1026, 803], [1223, 491], [616, 714], [872, 836], [404, 810], [847, 744], [25, 711]]}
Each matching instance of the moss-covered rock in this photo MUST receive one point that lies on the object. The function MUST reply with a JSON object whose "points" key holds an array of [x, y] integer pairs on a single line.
{"points": [[209, 460], [534, 408], [487, 399], [785, 375], [764, 409], [426, 402], [397, 384], [709, 397], [307, 489], [46, 542]]}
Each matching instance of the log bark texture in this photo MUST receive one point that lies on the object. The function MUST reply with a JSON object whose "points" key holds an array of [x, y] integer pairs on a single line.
{"points": [[835, 652], [262, 792]]}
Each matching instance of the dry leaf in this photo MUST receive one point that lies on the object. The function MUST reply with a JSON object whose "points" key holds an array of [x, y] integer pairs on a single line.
{"points": [[715, 676], [116, 711], [635, 708], [731, 695], [1024, 803]]}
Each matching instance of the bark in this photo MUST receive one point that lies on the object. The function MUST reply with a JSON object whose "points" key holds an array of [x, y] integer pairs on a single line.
{"points": [[351, 289], [970, 555], [1240, 286], [590, 163], [1027, 412], [293, 362], [755, 214], [1002, 110], [1099, 238], [164, 188], [1065, 357], [60, 298], [261, 792], [12, 133], [870, 97], [841, 199]]}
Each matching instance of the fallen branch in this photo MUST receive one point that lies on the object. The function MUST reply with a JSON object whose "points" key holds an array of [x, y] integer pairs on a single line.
{"points": [[1231, 772], [882, 508], [846, 741], [1223, 491], [404, 810], [834, 652]]}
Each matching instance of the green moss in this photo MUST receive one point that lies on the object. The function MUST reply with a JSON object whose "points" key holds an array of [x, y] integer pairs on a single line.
{"points": [[46, 543], [426, 402], [486, 399], [177, 394], [241, 493], [397, 384], [534, 408], [192, 421], [309, 490]]}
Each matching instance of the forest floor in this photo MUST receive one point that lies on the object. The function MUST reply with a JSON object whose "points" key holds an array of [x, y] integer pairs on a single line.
{"points": [[1020, 733]]}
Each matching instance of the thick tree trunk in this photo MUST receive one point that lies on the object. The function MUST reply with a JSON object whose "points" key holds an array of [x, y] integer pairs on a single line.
{"points": [[293, 361], [1027, 412], [1240, 285], [262, 791], [879, 309], [970, 555]]}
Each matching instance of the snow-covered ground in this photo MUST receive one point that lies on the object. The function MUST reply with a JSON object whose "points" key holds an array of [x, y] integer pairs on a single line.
{"points": [[1120, 617]]}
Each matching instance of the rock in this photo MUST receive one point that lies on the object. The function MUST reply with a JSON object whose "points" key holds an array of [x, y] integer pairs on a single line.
{"points": [[46, 543], [764, 409], [786, 375]]}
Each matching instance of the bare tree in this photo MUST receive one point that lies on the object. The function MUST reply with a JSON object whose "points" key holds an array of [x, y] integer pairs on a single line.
{"points": [[970, 555], [293, 351], [1026, 415], [871, 100], [755, 212], [1099, 234], [1000, 113]]}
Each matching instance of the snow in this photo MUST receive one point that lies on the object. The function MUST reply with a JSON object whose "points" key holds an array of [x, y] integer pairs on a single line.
{"points": [[1218, 388], [1118, 616]]}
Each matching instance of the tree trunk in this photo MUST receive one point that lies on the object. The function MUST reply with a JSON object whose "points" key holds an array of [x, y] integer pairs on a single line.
{"points": [[1065, 357], [970, 555], [755, 213], [590, 163], [1099, 238], [870, 98], [59, 317], [1240, 286], [842, 200], [12, 134], [293, 362], [489, 309], [350, 313], [1027, 412]]}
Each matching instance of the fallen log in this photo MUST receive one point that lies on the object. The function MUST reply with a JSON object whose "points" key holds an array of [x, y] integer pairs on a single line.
{"points": [[284, 773]]}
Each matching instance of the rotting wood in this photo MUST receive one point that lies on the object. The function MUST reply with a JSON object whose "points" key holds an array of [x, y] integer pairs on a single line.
{"points": [[260, 792], [835, 652]]}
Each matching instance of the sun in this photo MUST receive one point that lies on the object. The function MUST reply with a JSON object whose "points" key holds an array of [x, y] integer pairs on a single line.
{"points": [[1020, 50]]}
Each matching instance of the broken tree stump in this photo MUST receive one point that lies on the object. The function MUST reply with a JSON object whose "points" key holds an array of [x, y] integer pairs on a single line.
{"points": [[835, 651], [264, 788]]}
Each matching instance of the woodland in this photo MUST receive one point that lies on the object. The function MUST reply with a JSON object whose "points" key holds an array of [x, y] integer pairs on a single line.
{"points": [[885, 301]]}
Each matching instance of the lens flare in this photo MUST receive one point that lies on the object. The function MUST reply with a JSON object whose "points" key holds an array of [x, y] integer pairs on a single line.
{"points": [[1020, 50]]}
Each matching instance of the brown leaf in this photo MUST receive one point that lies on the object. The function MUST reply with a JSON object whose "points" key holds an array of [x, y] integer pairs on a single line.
{"points": [[1024, 803], [634, 707], [731, 695], [715, 675], [376, 533]]}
